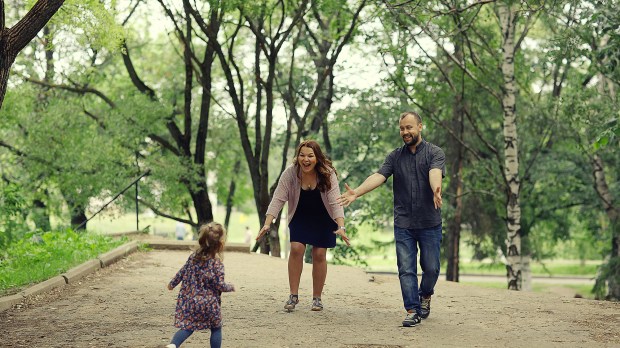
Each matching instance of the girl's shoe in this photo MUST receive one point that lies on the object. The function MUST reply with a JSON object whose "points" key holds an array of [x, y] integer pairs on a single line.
{"points": [[292, 301], [317, 305]]}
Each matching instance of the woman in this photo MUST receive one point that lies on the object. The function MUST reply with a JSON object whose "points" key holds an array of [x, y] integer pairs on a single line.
{"points": [[310, 187]]}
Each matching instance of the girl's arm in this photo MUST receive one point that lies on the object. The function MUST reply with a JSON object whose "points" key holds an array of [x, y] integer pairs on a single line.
{"points": [[220, 285], [179, 276]]}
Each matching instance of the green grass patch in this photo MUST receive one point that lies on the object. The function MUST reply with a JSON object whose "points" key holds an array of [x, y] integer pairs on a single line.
{"points": [[564, 289], [39, 257], [547, 268]]}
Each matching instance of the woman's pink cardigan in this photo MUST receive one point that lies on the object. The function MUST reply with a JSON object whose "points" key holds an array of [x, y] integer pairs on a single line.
{"points": [[288, 191]]}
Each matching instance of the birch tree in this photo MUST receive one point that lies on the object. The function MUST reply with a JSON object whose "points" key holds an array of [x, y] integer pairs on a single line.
{"points": [[514, 19]]}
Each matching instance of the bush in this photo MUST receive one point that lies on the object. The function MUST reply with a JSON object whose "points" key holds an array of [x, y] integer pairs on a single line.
{"points": [[11, 215]]}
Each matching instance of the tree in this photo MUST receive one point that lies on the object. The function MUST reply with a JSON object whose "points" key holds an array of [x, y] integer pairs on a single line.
{"points": [[502, 88], [14, 39]]}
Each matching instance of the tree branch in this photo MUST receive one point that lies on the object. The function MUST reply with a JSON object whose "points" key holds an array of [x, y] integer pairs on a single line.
{"points": [[81, 90]]}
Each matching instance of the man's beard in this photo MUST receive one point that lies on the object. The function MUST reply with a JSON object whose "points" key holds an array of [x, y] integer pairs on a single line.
{"points": [[414, 140]]}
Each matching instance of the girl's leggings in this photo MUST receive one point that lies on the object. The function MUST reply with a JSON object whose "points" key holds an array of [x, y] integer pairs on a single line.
{"points": [[181, 335]]}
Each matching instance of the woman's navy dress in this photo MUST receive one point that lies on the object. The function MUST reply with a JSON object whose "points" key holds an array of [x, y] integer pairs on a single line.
{"points": [[311, 223]]}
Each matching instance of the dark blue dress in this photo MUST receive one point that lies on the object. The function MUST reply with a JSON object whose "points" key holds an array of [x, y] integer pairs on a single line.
{"points": [[311, 223]]}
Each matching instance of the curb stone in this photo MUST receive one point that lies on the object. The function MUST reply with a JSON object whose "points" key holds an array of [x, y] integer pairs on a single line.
{"points": [[7, 302], [79, 272], [191, 245], [117, 253], [45, 286]]}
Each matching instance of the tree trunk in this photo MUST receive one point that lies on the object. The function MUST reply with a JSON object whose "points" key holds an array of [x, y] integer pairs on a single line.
{"points": [[40, 215], [613, 213], [78, 217], [14, 39], [454, 223], [274, 237], [456, 181], [202, 204], [508, 21], [231, 193]]}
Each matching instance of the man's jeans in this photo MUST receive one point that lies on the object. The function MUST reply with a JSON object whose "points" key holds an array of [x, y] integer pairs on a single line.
{"points": [[407, 241]]}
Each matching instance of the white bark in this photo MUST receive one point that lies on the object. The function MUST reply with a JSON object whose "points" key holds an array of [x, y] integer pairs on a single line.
{"points": [[508, 21]]}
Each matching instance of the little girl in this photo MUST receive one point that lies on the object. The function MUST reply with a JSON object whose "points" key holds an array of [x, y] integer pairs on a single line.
{"points": [[198, 303]]}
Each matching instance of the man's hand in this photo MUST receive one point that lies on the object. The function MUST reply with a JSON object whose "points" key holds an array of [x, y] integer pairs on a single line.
{"points": [[347, 197], [437, 198]]}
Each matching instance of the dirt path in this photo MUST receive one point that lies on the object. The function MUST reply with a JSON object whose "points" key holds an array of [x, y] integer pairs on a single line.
{"points": [[127, 305]]}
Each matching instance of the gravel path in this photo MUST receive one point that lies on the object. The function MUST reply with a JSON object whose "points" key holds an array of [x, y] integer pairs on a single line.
{"points": [[127, 305]]}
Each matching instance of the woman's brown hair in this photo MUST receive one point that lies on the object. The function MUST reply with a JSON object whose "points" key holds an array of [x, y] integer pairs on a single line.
{"points": [[211, 241], [323, 167]]}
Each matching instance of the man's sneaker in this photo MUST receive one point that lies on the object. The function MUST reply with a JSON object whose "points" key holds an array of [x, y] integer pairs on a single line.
{"points": [[426, 307], [412, 319], [317, 305], [292, 301]]}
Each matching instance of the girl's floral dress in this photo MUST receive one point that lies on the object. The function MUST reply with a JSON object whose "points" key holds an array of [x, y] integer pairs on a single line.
{"points": [[198, 303]]}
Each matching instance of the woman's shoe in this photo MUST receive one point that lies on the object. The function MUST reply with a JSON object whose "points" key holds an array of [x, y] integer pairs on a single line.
{"points": [[317, 305], [292, 301]]}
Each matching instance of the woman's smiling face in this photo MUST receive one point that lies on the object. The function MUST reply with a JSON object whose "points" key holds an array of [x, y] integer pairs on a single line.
{"points": [[306, 159]]}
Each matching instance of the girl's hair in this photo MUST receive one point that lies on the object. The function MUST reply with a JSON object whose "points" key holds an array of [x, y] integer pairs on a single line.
{"points": [[323, 167], [211, 241]]}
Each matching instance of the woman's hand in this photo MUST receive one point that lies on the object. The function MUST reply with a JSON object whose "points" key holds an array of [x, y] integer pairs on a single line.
{"points": [[262, 231], [170, 287], [343, 234]]}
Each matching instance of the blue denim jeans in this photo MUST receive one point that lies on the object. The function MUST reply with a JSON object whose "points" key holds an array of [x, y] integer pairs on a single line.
{"points": [[407, 241], [215, 340]]}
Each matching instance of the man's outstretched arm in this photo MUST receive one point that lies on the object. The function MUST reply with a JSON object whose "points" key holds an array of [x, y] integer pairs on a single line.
{"points": [[434, 177], [350, 195]]}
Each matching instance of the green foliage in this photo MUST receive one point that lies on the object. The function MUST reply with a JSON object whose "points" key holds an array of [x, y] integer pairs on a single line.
{"points": [[348, 255], [40, 256], [12, 213], [610, 136], [74, 149], [92, 22]]}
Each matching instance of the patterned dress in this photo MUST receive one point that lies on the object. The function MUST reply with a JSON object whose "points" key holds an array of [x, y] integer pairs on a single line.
{"points": [[199, 302]]}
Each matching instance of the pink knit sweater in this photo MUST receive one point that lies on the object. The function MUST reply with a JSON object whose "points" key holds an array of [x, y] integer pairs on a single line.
{"points": [[288, 191]]}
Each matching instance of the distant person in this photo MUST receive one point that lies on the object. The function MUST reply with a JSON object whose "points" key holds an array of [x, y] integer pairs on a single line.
{"points": [[310, 187], [199, 300], [180, 231], [248, 235], [418, 168]]}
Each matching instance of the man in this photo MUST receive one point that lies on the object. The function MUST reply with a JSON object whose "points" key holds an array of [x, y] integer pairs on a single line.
{"points": [[418, 168], [248, 235], [179, 231]]}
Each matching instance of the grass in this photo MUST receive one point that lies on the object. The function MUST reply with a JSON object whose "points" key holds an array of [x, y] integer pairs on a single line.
{"points": [[32, 260], [584, 291], [547, 268]]}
